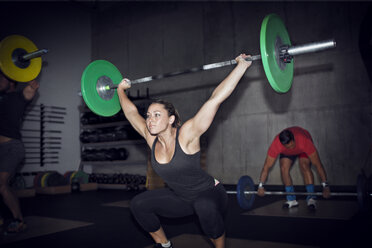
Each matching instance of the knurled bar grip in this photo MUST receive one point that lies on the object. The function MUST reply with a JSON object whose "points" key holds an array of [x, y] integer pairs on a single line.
{"points": [[195, 69]]}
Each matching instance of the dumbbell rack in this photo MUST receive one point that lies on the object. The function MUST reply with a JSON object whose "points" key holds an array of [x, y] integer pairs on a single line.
{"points": [[103, 140]]}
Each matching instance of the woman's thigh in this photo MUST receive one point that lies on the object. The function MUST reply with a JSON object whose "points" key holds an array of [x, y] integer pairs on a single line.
{"points": [[163, 202]]}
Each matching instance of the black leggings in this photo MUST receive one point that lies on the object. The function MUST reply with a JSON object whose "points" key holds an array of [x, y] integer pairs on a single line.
{"points": [[209, 206]]}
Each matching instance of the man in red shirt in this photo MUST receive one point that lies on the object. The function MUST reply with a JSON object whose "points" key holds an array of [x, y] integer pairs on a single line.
{"points": [[291, 143]]}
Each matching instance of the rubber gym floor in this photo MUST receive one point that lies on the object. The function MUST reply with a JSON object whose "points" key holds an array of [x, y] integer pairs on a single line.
{"points": [[101, 218]]}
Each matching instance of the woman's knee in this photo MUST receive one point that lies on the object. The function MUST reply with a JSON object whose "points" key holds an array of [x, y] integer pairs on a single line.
{"points": [[205, 207], [136, 204], [211, 219]]}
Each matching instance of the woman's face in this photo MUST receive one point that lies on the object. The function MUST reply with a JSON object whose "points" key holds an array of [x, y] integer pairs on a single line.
{"points": [[157, 119]]}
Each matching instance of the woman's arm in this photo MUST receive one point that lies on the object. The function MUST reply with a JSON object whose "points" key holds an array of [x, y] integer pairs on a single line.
{"points": [[196, 126], [131, 112]]}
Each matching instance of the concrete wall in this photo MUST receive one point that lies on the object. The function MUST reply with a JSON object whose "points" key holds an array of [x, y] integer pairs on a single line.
{"points": [[64, 29], [330, 96]]}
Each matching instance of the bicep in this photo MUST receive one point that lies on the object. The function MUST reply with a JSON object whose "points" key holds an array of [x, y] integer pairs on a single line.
{"points": [[137, 122]]}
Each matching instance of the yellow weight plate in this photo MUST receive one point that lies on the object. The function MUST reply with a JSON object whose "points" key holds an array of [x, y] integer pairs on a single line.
{"points": [[8, 46], [44, 178]]}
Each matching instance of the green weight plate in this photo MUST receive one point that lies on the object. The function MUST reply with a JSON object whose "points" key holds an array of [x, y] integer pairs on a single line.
{"points": [[81, 177], [93, 73], [273, 34]]}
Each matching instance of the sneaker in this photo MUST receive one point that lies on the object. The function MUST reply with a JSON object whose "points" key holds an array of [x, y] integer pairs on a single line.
{"points": [[16, 226], [290, 204], [158, 245], [311, 204]]}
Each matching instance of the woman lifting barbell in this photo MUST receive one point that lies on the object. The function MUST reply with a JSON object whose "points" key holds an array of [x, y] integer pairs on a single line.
{"points": [[175, 157]]}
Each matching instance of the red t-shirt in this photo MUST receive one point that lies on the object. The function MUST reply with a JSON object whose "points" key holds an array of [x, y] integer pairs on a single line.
{"points": [[303, 141]]}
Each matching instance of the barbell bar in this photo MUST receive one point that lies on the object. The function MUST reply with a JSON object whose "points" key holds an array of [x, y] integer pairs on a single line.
{"points": [[290, 51], [20, 59], [100, 78], [295, 193], [33, 55], [245, 192]]}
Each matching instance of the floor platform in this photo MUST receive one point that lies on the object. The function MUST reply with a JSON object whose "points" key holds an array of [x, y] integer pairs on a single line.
{"points": [[102, 219], [338, 210], [190, 240], [39, 226]]}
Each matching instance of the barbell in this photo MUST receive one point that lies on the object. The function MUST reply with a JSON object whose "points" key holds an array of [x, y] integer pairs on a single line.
{"points": [[20, 59], [245, 192], [100, 78]]}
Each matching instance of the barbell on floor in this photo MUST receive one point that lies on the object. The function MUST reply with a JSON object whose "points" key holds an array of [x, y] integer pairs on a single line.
{"points": [[20, 59], [245, 192], [100, 78]]}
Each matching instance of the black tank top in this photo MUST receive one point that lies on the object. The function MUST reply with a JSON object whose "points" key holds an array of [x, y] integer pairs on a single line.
{"points": [[12, 107], [183, 173]]}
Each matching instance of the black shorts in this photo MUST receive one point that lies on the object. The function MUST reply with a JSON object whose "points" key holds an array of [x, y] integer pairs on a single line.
{"points": [[12, 154], [293, 157]]}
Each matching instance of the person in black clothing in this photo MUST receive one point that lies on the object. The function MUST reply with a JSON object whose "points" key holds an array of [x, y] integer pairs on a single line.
{"points": [[176, 158], [12, 152]]}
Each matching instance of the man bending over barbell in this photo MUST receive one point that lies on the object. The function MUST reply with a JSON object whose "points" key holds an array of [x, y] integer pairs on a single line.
{"points": [[289, 144]]}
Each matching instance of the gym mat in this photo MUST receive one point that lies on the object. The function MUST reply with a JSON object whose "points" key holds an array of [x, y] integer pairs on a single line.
{"points": [[326, 209]]}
